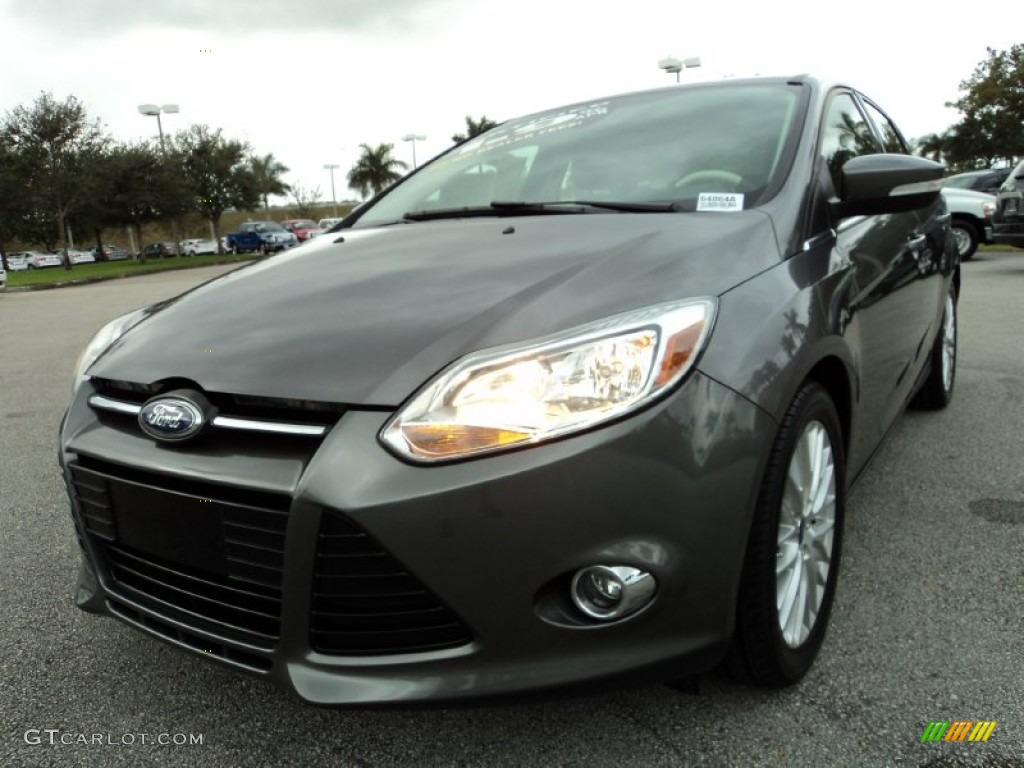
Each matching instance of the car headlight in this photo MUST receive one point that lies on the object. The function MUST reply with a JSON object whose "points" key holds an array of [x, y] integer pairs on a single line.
{"points": [[988, 209], [527, 393], [103, 340]]}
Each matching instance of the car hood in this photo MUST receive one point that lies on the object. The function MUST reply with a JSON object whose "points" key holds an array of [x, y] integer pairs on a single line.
{"points": [[967, 195], [366, 317]]}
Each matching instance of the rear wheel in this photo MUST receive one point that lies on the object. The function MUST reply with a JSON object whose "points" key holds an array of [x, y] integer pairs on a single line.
{"points": [[937, 390], [792, 561], [966, 236]]}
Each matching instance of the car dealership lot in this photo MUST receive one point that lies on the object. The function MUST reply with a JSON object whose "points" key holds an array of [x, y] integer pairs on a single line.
{"points": [[927, 623]]}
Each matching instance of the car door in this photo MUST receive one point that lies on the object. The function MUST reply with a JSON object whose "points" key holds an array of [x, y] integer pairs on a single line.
{"points": [[928, 247], [882, 252]]}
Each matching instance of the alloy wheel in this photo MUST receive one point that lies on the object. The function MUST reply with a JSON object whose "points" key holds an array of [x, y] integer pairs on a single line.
{"points": [[806, 532], [948, 343]]}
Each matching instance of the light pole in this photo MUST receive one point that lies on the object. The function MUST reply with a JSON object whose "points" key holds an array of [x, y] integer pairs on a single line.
{"points": [[671, 64], [334, 200], [413, 137], [154, 110]]}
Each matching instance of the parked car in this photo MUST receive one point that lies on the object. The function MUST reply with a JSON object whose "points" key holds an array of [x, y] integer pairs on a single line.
{"points": [[110, 253], [3, 277], [198, 247], [980, 181], [17, 261], [81, 257], [1008, 221], [972, 218], [40, 260], [160, 250], [261, 236], [589, 414], [326, 224], [303, 229]]}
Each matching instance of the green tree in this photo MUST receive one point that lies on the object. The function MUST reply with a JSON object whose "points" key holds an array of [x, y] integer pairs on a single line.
{"points": [[13, 203], [217, 172], [375, 170], [137, 183], [473, 128], [57, 148], [268, 170], [991, 103]]}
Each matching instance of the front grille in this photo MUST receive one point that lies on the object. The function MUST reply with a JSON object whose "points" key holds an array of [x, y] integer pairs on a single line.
{"points": [[240, 406], [207, 556], [365, 603]]}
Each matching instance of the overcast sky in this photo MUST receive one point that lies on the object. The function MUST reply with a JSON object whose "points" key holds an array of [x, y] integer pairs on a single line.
{"points": [[309, 80]]}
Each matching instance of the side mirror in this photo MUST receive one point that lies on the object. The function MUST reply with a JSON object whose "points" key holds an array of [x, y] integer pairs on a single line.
{"points": [[887, 183]]}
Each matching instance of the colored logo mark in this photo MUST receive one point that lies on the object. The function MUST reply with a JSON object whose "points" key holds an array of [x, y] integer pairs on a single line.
{"points": [[958, 730]]}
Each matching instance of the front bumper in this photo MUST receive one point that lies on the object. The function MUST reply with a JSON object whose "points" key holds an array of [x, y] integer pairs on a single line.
{"points": [[1009, 233], [492, 542]]}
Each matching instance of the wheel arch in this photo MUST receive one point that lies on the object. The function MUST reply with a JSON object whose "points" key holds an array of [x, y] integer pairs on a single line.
{"points": [[831, 373]]}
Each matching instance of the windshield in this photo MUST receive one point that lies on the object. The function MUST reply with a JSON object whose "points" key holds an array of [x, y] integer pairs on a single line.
{"points": [[673, 145]]}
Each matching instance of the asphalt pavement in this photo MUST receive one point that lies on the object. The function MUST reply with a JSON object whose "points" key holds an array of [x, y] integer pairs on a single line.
{"points": [[928, 623]]}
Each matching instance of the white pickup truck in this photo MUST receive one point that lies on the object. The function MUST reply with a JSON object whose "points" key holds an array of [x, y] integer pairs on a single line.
{"points": [[972, 218]]}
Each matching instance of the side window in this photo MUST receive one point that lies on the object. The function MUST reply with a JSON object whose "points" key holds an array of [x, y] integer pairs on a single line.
{"points": [[891, 139], [845, 135]]}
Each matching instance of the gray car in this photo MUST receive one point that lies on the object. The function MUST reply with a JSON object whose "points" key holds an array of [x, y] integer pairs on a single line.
{"points": [[1008, 222], [578, 402]]}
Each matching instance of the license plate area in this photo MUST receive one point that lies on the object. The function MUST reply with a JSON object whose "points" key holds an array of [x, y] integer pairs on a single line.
{"points": [[176, 527]]}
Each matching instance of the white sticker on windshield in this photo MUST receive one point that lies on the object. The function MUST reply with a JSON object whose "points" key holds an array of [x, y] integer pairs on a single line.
{"points": [[720, 201]]}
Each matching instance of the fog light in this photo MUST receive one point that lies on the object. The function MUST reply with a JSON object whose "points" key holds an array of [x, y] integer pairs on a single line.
{"points": [[609, 592]]}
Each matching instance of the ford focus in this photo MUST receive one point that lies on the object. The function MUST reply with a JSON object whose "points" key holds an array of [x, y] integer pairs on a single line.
{"points": [[578, 402]]}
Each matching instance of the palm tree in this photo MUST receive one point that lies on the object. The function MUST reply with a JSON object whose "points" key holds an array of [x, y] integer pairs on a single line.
{"points": [[473, 128], [933, 145], [267, 171], [375, 169]]}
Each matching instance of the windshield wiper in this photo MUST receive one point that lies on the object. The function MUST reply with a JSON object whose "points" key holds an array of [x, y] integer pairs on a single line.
{"points": [[518, 207], [589, 206]]}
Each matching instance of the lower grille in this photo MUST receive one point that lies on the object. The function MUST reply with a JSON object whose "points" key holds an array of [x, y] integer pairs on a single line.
{"points": [[202, 560], [200, 600], [366, 603], [250, 661]]}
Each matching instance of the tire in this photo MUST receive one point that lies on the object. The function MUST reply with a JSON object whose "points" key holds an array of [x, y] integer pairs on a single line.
{"points": [[937, 390], [965, 235], [773, 646]]}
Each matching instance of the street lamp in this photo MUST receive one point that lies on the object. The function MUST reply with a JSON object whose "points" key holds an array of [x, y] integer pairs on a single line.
{"points": [[334, 200], [671, 64], [154, 110], [413, 137]]}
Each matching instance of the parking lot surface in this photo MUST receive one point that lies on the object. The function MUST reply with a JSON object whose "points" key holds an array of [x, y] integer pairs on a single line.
{"points": [[928, 623]]}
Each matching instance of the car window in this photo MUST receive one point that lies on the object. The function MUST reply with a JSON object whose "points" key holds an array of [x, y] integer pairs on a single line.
{"points": [[845, 135], [892, 141]]}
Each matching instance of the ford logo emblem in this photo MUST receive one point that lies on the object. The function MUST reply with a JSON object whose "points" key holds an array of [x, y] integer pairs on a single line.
{"points": [[170, 418]]}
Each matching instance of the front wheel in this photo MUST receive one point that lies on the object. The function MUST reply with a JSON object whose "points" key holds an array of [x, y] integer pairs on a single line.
{"points": [[966, 237], [937, 390], [792, 561]]}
